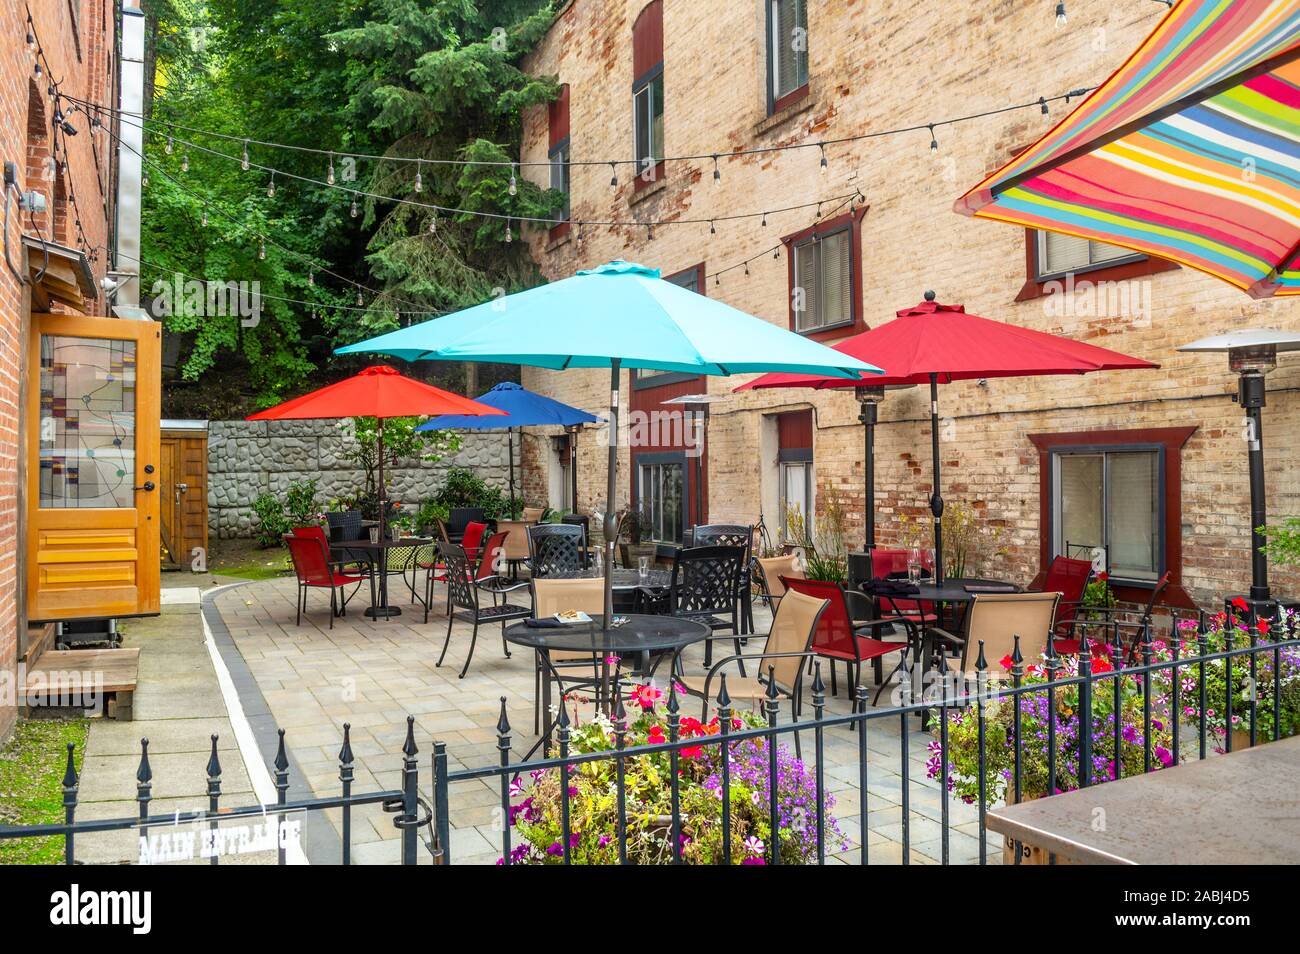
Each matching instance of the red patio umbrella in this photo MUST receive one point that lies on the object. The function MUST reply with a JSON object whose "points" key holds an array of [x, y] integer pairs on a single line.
{"points": [[932, 343], [380, 392]]}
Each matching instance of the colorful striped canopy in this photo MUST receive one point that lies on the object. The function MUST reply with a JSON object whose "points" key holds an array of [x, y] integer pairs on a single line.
{"points": [[1189, 152]]}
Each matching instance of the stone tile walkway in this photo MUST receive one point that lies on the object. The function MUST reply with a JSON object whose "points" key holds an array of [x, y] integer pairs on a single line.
{"points": [[311, 680]]}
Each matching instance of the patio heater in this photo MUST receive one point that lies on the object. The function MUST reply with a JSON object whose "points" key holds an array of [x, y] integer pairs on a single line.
{"points": [[1252, 353], [699, 403]]}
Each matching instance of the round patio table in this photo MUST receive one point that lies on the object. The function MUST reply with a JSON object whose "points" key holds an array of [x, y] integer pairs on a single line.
{"points": [[382, 548], [624, 579], [638, 635]]}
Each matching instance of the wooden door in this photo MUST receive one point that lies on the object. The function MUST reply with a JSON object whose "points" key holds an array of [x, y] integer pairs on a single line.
{"points": [[92, 439], [169, 500], [183, 493]]}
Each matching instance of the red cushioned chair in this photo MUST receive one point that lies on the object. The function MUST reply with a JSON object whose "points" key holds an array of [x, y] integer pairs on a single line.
{"points": [[473, 539], [485, 560], [1069, 577], [313, 568], [838, 637], [1099, 622]]}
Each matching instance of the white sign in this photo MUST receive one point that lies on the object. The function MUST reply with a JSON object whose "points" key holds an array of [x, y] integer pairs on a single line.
{"points": [[163, 842]]}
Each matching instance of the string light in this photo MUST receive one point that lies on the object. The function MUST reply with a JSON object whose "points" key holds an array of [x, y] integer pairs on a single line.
{"points": [[717, 173], [934, 143], [419, 182], [261, 249], [1043, 103], [510, 236], [352, 210], [514, 187], [613, 178], [243, 162], [329, 176], [270, 188], [203, 219], [185, 162], [1060, 14], [823, 162], [168, 148]]}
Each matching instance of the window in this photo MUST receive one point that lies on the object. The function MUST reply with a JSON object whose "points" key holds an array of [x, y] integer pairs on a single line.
{"points": [[1109, 503], [823, 275], [558, 153], [648, 92], [1061, 254], [661, 490], [795, 472], [787, 51]]}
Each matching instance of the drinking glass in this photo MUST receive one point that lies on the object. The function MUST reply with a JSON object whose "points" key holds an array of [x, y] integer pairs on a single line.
{"points": [[643, 567], [914, 565]]}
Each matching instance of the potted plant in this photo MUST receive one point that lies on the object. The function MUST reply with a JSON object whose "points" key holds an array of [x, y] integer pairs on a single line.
{"points": [[962, 773], [1247, 692], [1098, 594], [593, 812], [637, 525], [824, 554]]}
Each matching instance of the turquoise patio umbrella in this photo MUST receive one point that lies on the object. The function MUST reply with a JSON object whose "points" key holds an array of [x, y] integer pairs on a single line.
{"points": [[619, 315]]}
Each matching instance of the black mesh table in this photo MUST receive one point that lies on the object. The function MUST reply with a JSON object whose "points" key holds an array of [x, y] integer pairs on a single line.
{"points": [[624, 580], [381, 548], [638, 635]]}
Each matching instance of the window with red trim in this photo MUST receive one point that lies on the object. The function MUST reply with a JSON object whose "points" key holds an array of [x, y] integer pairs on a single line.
{"points": [[558, 153], [648, 93], [787, 53], [825, 272], [1053, 261], [1115, 497]]}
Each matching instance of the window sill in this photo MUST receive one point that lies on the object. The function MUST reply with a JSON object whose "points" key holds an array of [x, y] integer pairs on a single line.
{"points": [[804, 102], [643, 190]]}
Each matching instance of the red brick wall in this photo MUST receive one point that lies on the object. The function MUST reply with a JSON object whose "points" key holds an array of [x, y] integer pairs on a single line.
{"points": [[875, 65], [82, 60]]}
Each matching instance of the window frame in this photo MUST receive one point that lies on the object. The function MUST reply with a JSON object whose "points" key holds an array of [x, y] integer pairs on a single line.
{"points": [[1138, 265], [784, 458], [666, 459], [562, 148], [775, 102], [1173, 440], [852, 221], [1105, 451], [646, 83], [1040, 239]]}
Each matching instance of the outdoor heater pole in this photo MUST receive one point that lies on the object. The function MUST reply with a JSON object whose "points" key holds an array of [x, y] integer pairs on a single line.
{"points": [[611, 518], [936, 497], [573, 463], [870, 399], [510, 446], [1251, 396]]}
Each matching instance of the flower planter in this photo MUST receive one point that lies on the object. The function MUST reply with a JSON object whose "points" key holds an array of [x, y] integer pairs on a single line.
{"points": [[1029, 854]]}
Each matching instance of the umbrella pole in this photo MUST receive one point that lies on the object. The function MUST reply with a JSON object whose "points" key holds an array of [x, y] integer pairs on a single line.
{"points": [[573, 466], [510, 444], [936, 497], [611, 487]]}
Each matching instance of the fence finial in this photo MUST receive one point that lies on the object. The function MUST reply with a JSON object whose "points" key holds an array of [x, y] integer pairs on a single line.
{"points": [[281, 757], [408, 747], [70, 774], [503, 723], [144, 774], [345, 753]]}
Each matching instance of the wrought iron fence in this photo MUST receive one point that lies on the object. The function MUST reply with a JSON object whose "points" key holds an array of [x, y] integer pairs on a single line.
{"points": [[1137, 666]]}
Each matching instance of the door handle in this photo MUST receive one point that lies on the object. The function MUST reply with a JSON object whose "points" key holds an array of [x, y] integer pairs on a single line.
{"points": [[147, 485]]}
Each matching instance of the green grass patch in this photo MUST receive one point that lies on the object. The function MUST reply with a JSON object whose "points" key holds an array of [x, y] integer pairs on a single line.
{"points": [[32, 764]]}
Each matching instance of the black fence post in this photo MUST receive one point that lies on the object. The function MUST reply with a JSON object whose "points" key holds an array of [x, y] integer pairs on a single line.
{"points": [[1085, 715], [1017, 773], [281, 787], [347, 773], [214, 794], [771, 705], [981, 689], [562, 737], [861, 703], [441, 806], [724, 727], [674, 758], [1203, 648], [503, 747], [144, 781], [819, 746], [70, 785], [410, 816]]}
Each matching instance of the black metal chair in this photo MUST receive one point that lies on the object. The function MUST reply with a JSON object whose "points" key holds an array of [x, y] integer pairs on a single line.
{"points": [[346, 526], [463, 589], [557, 549], [458, 518], [704, 588], [733, 535]]}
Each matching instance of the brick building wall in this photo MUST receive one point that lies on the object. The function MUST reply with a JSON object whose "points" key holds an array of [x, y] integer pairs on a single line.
{"points": [[884, 64], [77, 37]]}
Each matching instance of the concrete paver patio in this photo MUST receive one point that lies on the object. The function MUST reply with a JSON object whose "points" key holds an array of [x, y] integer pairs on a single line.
{"points": [[373, 674]]}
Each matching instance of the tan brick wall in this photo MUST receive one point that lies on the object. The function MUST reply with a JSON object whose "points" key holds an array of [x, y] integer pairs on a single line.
{"points": [[86, 70], [880, 64]]}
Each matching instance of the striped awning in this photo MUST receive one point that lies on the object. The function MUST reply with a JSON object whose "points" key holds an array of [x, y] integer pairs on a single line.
{"points": [[1189, 152]]}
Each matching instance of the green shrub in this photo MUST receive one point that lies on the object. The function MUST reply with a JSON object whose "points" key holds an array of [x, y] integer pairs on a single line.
{"points": [[300, 503], [272, 524], [464, 488]]}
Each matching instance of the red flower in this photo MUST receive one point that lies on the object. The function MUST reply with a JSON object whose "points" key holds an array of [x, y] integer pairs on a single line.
{"points": [[1240, 604], [1263, 627], [1101, 664], [692, 752], [1103, 576], [1006, 662], [655, 736]]}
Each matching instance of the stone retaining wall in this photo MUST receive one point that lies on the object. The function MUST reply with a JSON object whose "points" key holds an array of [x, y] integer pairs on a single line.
{"points": [[247, 458]]}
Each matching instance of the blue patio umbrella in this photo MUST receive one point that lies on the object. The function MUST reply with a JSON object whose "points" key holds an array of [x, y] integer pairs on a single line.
{"points": [[523, 408], [619, 315]]}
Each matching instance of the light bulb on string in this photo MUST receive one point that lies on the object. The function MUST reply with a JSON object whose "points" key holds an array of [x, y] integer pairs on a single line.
{"points": [[203, 219], [38, 65], [613, 176], [1042, 102], [185, 162], [311, 279], [764, 220], [329, 176], [510, 235], [1060, 14], [270, 187], [144, 180], [261, 249], [712, 230], [433, 224], [168, 148], [514, 186], [31, 38], [419, 180], [717, 173], [243, 161], [934, 143], [717, 279], [353, 209], [824, 166], [360, 303]]}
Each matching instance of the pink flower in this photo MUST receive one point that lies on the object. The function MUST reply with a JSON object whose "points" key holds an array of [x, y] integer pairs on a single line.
{"points": [[646, 695]]}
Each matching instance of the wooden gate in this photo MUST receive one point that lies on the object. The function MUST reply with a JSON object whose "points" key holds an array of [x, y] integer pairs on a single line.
{"points": [[184, 492]]}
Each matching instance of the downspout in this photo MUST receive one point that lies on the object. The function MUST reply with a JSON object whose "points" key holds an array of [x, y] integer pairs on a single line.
{"points": [[130, 150]]}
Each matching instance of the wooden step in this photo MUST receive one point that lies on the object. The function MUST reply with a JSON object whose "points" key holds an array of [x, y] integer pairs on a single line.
{"points": [[59, 669]]}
